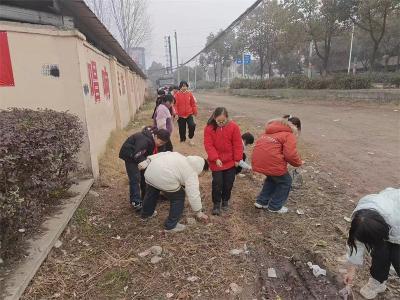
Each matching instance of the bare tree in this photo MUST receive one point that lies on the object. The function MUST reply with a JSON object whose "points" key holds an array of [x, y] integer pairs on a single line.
{"points": [[101, 9], [131, 21]]}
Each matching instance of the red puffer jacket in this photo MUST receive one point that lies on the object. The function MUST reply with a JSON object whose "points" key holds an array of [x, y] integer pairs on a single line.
{"points": [[224, 143], [185, 105], [276, 148]]}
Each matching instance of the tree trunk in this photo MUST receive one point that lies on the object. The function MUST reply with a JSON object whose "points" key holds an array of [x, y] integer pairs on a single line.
{"points": [[373, 57], [215, 73], [270, 71], [221, 71]]}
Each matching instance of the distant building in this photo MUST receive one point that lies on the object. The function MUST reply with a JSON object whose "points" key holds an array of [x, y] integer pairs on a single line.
{"points": [[138, 54]]}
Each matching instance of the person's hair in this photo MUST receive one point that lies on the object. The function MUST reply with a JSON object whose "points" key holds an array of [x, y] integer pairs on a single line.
{"points": [[248, 138], [162, 134], [369, 228], [206, 166], [294, 120], [182, 83], [217, 112], [168, 98], [160, 92], [171, 88]]}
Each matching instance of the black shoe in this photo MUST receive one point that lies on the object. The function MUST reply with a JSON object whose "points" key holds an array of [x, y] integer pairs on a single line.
{"points": [[216, 210], [225, 205]]}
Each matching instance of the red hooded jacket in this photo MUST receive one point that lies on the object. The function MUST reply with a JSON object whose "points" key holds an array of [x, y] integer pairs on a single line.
{"points": [[224, 143], [185, 105], [276, 148]]}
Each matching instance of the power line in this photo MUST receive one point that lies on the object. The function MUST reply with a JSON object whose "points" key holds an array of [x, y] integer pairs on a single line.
{"points": [[219, 36]]}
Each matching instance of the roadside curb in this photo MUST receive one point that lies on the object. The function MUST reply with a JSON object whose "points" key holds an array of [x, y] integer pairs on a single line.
{"points": [[39, 247]]}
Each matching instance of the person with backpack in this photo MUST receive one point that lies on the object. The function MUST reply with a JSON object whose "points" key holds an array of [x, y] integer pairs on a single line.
{"points": [[224, 147], [375, 228], [176, 176], [186, 109], [134, 152], [273, 151], [163, 119]]}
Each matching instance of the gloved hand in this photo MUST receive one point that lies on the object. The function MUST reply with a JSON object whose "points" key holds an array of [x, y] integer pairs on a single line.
{"points": [[144, 164]]}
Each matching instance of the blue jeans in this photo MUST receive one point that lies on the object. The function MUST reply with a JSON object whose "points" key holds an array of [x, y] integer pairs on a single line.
{"points": [[275, 191], [177, 204]]}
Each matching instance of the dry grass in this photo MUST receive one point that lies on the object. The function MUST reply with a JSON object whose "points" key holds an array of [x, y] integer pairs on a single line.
{"points": [[99, 257]]}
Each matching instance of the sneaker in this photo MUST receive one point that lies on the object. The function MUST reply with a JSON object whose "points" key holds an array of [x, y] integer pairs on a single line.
{"points": [[137, 205], [155, 213], [191, 142], [260, 206], [225, 205], [372, 289], [283, 210], [216, 210], [178, 228]]}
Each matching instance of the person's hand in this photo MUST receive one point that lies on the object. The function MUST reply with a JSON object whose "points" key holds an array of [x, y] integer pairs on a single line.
{"points": [[349, 276], [218, 162], [236, 164], [303, 162], [202, 217], [143, 165]]}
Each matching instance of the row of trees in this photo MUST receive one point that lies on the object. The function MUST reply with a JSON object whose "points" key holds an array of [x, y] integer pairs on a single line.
{"points": [[278, 33]]}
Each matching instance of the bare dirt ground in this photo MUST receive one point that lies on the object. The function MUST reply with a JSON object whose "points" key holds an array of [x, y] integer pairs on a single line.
{"points": [[99, 256]]}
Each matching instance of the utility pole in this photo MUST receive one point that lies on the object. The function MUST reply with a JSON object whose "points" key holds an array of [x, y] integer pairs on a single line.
{"points": [[351, 50], [177, 57], [309, 61], [170, 53], [243, 64], [195, 74]]}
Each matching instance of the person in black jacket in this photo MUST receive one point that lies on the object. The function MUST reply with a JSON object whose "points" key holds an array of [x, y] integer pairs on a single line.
{"points": [[134, 152]]}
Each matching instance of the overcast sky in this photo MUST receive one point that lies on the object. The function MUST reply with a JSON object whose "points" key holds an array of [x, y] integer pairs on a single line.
{"points": [[193, 20]]}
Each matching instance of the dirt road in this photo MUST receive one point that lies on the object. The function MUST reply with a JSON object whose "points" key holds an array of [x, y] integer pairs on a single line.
{"points": [[358, 142]]}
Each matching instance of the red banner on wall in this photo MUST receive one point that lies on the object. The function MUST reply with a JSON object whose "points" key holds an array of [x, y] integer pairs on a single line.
{"points": [[106, 83], [6, 72], [94, 81]]}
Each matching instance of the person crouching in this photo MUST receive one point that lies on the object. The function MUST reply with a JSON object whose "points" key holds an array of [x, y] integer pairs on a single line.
{"points": [[176, 176]]}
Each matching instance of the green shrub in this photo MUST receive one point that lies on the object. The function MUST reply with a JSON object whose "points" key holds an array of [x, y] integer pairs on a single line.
{"points": [[298, 81], [349, 82], [37, 153], [207, 85], [275, 83]]}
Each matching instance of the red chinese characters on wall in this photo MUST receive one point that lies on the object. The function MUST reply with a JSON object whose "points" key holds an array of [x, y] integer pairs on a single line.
{"points": [[119, 83], [106, 83], [123, 84], [6, 72], [94, 81]]}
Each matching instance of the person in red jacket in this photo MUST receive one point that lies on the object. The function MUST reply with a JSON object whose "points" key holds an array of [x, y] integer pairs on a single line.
{"points": [[185, 107], [224, 147], [272, 152]]}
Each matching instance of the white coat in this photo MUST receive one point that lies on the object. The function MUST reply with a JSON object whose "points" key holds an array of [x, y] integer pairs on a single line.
{"points": [[387, 204], [170, 171]]}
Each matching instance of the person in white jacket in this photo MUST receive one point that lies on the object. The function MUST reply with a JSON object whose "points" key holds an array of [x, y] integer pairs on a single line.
{"points": [[175, 175], [375, 227]]}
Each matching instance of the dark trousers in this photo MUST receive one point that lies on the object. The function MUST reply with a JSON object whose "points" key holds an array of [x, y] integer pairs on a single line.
{"points": [[382, 257], [275, 191], [137, 183], [177, 204], [182, 127], [222, 184]]}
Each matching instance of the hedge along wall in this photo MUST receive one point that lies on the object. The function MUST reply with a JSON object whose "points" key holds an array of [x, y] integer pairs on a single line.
{"points": [[68, 52]]}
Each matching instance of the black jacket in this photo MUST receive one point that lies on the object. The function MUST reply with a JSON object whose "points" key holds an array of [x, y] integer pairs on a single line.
{"points": [[138, 146]]}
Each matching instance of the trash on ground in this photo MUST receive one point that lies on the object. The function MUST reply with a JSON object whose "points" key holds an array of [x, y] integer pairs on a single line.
{"points": [[371, 153], [192, 278], [156, 250], [317, 270], [272, 273], [155, 260], [300, 212], [22, 230], [347, 219], [57, 244], [346, 293], [236, 251], [337, 120], [235, 288], [169, 295], [191, 221], [125, 288], [94, 194]]}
